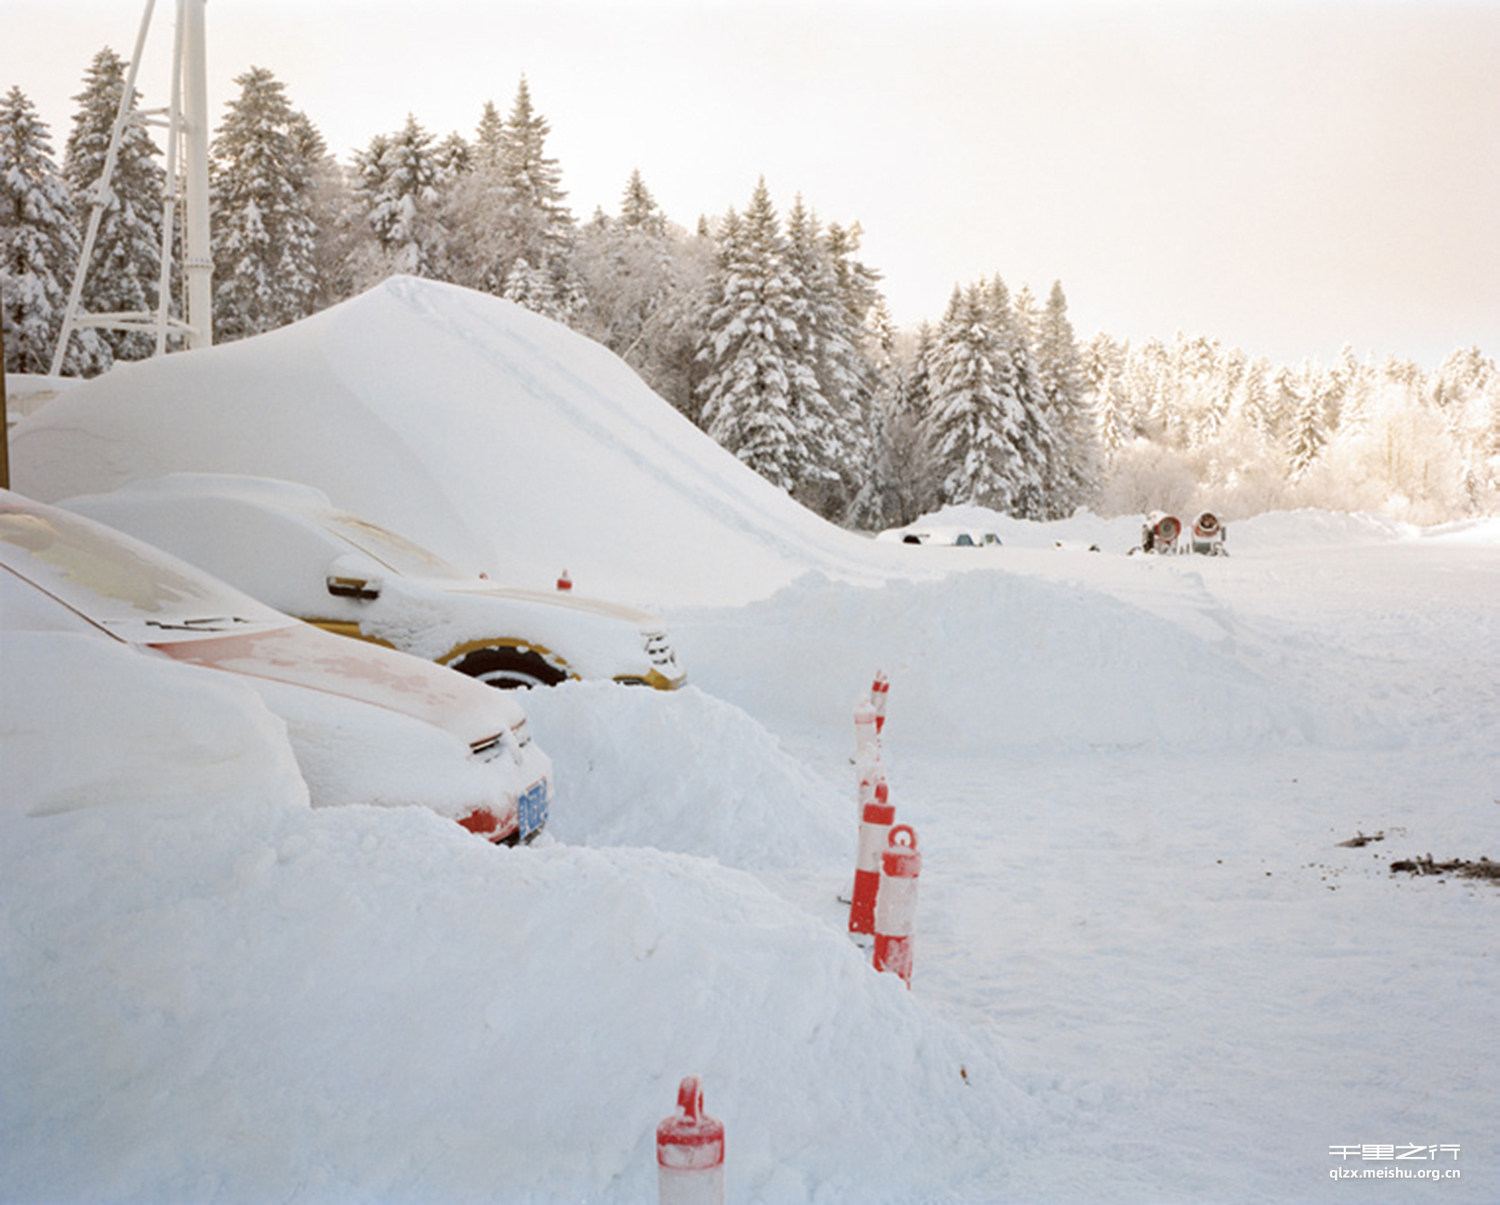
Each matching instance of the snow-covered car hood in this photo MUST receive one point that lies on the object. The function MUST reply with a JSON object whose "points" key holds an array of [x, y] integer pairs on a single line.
{"points": [[297, 654]]}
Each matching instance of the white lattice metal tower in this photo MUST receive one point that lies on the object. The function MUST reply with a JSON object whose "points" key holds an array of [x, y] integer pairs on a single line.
{"points": [[186, 121]]}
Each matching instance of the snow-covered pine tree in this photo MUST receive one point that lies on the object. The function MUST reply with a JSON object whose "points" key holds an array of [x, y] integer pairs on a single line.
{"points": [[823, 405], [753, 349], [1035, 444], [884, 499], [265, 233], [915, 395], [1309, 431], [974, 425], [454, 159], [509, 214], [339, 232], [397, 188], [642, 280], [125, 268], [857, 356], [489, 137], [914, 476], [39, 244], [537, 222], [1075, 476], [639, 210]]}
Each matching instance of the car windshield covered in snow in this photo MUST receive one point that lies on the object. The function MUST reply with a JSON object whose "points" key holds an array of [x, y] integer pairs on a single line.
{"points": [[120, 585], [396, 553]]}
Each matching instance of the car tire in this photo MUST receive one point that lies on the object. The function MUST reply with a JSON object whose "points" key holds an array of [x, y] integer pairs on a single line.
{"points": [[509, 669]]}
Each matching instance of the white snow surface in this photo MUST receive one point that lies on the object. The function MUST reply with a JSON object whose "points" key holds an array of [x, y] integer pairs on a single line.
{"points": [[1146, 969], [499, 439]]}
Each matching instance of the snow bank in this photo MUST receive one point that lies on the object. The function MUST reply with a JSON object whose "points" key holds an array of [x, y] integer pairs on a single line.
{"points": [[687, 773], [374, 1005], [1279, 530], [980, 662], [88, 723]]}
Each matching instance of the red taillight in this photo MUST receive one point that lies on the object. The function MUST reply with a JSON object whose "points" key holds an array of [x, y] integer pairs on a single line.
{"points": [[481, 821]]}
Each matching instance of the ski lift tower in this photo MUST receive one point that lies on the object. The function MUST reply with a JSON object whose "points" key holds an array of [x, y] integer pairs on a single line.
{"points": [[186, 122]]}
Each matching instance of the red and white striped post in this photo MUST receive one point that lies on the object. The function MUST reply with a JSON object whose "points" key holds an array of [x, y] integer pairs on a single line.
{"points": [[866, 735], [896, 903], [690, 1152], [874, 830], [880, 689]]}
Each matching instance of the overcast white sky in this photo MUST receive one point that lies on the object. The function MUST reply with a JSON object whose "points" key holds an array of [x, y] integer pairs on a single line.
{"points": [[1284, 176]]}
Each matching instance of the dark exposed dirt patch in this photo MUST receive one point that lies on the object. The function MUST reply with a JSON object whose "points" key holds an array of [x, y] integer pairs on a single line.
{"points": [[1459, 867]]}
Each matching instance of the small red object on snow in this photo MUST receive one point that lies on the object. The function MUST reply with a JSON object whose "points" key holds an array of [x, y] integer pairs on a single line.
{"points": [[690, 1152], [896, 904], [874, 833], [564, 582], [879, 689]]}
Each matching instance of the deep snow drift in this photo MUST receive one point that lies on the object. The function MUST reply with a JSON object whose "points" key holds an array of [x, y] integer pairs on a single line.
{"points": [[495, 437], [1149, 967]]}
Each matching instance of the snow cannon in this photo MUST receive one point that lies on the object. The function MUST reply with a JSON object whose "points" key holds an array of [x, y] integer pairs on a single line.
{"points": [[875, 822], [690, 1152], [1160, 533], [1208, 535], [880, 689], [896, 903]]}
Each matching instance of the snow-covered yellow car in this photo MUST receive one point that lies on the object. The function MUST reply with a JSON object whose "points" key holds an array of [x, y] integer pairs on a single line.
{"points": [[288, 546]]}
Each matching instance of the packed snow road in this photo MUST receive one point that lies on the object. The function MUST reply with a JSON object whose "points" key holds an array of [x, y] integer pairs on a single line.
{"points": [[1167, 937]]}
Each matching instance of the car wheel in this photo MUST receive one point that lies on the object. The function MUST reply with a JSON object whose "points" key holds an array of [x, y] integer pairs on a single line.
{"points": [[509, 669]]}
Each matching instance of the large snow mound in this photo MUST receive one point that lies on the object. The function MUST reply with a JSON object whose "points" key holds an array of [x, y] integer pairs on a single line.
{"points": [[496, 437]]}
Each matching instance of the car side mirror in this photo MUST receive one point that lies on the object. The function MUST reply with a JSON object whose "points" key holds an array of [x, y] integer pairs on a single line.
{"points": [[353, 577]]}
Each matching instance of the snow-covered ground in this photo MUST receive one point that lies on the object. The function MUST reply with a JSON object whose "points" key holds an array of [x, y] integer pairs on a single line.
{"points": [[1147, 970]]}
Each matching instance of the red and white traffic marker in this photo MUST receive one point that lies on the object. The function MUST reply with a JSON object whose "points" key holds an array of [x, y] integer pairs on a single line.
{"points": [[690, 1152], [564, 582], [879, 689], [866, 734], [896, 903], [874, 832]]}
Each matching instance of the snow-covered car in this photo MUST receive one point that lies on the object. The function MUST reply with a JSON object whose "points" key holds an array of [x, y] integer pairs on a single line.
{"points": [[950, 537], [285, 544], [367, 724]]}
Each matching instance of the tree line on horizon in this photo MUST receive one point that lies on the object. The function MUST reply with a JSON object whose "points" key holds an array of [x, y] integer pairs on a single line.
{"points": [[767, 331]]}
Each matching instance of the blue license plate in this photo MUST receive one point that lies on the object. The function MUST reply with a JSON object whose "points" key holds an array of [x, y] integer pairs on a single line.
{"points": [[531, 810]]}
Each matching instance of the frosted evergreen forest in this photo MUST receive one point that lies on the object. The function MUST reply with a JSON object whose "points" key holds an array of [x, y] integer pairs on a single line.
{"points": [[763, 327]]}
